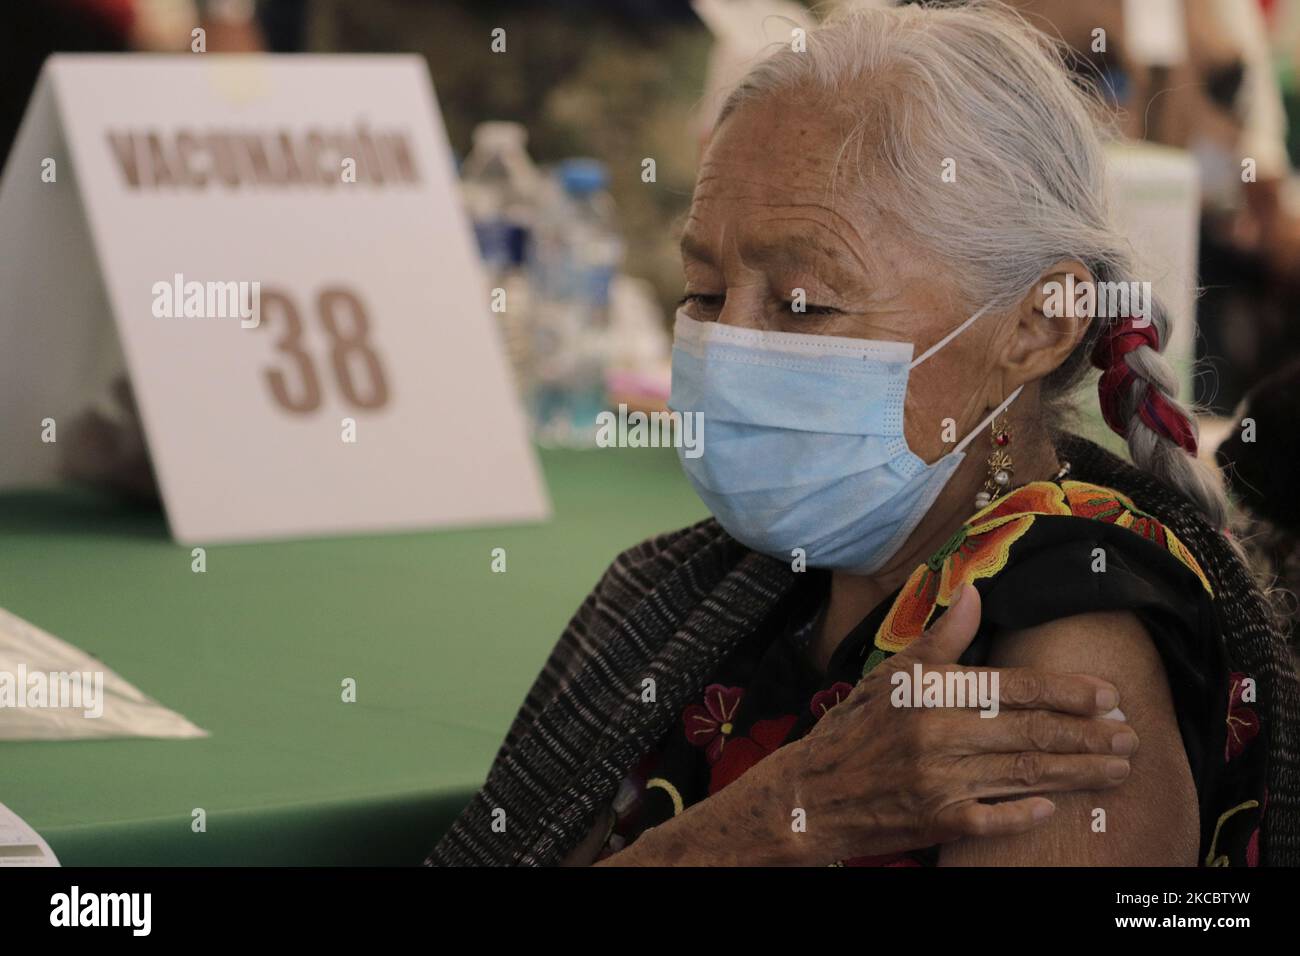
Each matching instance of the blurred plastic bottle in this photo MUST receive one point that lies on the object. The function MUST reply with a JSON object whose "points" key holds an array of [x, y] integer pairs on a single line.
{"points": [[577, 251], [501, 186]]}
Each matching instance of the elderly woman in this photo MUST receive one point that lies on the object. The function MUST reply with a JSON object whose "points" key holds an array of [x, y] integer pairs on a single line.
{"points": [[879, 227]]}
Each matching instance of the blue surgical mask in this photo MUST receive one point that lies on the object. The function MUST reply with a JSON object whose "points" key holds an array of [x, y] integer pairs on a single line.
{"points": [[805, 445]]}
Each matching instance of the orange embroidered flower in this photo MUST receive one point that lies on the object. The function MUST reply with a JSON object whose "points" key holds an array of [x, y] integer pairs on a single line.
{"points": [[979, 549]]}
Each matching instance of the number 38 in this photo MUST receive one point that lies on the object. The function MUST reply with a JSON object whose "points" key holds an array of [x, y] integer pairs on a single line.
{"points": [[348, 328]]}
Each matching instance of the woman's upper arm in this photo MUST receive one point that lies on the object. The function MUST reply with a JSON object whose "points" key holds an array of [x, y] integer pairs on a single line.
{"points": [[1152, 819]]}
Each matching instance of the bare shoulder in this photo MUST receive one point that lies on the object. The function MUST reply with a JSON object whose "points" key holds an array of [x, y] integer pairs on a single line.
{"points": [[1112, 645], [1152, 818]]}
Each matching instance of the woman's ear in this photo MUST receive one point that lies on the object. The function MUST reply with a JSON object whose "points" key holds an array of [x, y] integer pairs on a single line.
{"points": [[1050, 321]]}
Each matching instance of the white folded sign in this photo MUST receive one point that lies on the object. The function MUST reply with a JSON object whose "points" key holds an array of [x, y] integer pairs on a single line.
{"points": [[51, 690], [280, 245]]}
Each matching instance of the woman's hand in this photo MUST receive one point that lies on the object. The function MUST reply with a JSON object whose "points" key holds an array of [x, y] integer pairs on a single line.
{"points": [[873, 779]]}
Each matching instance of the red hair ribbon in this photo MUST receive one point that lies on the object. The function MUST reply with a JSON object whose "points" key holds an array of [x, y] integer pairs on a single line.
{"points": [[1117, 381]]}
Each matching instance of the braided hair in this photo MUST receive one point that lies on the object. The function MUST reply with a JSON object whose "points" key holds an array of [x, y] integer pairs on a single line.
{"points": [[1138, 392]]}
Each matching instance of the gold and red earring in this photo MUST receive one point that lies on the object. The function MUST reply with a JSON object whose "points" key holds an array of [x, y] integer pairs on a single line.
{"points": [[1001, 467]]}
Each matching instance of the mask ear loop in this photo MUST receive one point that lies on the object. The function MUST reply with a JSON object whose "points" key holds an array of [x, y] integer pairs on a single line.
{"points": [[949, 337], [940, 344], [961, 445]]}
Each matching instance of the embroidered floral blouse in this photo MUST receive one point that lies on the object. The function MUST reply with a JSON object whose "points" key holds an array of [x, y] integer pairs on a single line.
{"points": [[1046, 551]]}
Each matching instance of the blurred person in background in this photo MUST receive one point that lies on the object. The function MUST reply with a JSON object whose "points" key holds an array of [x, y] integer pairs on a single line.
{"points": [[33, 29], [844, 299], [1208, 79], [1258, 459]]}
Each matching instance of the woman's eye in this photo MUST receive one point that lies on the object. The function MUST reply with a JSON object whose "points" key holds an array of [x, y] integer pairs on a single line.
{"points": [[807, 308], [704, 300]]}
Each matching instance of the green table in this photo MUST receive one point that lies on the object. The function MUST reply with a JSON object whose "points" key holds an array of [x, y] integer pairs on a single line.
{"points": [[255, 650]]}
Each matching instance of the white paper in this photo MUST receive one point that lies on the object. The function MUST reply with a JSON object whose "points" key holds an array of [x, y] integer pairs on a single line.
{"points": [[20, 845], [38, 671]]}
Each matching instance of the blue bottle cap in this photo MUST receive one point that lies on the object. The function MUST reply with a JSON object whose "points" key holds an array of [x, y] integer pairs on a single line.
{"points": [[581, 176]]}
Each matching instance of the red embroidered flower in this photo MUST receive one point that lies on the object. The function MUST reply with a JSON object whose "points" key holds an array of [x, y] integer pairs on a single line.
{"points": [[709, 726], [1243, 722], [824, 700], [743, 752], [1108, 505]]}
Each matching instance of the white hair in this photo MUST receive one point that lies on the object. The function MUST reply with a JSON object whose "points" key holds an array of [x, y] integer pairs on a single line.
{"points": [[978, 85]]}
